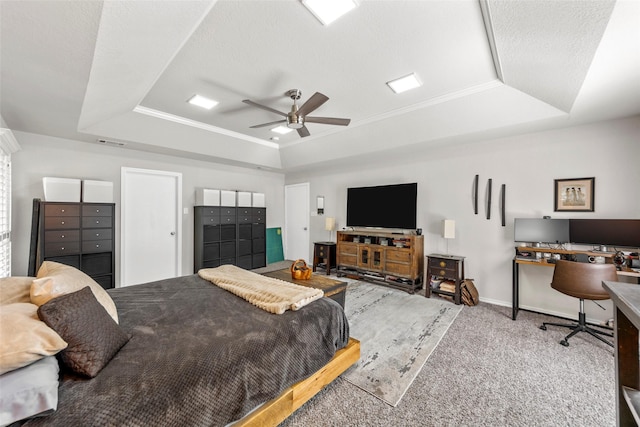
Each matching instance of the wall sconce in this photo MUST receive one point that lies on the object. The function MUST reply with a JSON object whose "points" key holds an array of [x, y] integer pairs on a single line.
{"points": [[330, 225], [448, 231], [320, 205]]}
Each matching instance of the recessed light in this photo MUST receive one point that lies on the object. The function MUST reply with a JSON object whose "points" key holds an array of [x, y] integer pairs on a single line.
{"points": [[202, 101], [282, 130], [405, 83], [275, 138], [327, 11]]}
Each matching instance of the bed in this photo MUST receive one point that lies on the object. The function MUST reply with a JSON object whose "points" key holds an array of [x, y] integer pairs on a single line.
{"points": [[198, 355]]}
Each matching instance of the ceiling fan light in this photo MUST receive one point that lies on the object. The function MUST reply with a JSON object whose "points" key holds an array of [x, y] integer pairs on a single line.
{"points": [[281, 130], [405, 83], [295, 122], [202, 101], [327, 11]]}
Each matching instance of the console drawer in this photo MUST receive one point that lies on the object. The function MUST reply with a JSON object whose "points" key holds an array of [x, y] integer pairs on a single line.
{"points": [[398, 255], [398, 268]]}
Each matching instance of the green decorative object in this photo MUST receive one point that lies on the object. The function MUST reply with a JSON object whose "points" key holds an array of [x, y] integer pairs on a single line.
{"points": [[274, 245]]}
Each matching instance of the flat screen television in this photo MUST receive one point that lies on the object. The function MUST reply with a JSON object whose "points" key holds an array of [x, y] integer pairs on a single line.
{"points": [[606, 232], [540, 230], [384, 206]]}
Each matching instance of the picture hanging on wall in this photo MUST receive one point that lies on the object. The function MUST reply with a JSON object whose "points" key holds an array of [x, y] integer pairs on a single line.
{"points": [[574, 195]]}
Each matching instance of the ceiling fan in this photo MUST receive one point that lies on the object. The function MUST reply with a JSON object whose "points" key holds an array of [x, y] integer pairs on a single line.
{"points": [[297, 117]]}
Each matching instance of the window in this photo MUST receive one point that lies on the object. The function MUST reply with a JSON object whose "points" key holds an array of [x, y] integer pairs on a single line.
{"points": [[8, 145]]}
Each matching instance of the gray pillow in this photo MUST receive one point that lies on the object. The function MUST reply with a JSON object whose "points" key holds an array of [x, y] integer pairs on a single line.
{"points": [[93, 337], [29, 391]]}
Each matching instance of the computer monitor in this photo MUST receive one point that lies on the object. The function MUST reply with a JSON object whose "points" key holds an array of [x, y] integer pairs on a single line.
{"points": [[540, 230]]}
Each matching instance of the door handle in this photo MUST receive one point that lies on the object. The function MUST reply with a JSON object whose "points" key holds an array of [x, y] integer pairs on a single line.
{"points": [[173, 233], [305, 228]]}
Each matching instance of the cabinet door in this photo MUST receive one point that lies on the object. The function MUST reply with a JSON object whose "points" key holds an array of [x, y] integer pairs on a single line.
{"points": [[376, 261]]}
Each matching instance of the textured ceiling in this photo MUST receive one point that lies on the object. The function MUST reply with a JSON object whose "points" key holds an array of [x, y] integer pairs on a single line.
{"points": [[123, 70]]}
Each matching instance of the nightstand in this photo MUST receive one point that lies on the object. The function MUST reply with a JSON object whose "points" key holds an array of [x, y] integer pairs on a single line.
{"points": [[449, 267], [324, 253]]}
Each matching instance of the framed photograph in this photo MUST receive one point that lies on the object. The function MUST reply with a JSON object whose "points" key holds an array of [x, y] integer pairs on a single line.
{"points": [[574, 195]]}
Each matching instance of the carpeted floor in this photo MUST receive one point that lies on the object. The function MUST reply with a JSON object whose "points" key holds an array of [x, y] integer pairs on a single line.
{"points": [[487, 371]]}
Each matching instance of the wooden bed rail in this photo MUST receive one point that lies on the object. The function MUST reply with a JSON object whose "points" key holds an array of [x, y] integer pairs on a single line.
{"points": [[277, 410]]}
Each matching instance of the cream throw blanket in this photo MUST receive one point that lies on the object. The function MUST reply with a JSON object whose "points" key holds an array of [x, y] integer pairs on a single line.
{"points": [[272, 295]]}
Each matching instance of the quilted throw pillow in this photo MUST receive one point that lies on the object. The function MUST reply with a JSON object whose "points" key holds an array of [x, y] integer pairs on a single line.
{"points": [[93, 337], [55, 279]]}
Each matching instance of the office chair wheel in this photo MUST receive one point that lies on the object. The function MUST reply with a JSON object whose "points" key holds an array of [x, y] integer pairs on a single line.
{"points": [[543, 327], [565, 343]]}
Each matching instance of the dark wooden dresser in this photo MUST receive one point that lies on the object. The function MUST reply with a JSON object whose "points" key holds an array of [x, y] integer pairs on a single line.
{"points": [[78, 234], [229, 235]]}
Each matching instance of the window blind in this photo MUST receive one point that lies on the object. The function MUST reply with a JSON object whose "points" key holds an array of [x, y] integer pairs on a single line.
{"points": [[8, 145]]}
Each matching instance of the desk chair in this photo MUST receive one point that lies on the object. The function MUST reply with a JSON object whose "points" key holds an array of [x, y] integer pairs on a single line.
{"points": [[584, 281]]}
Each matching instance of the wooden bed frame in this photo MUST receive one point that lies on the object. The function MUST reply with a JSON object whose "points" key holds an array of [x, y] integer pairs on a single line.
{"points": [[277, 410]]}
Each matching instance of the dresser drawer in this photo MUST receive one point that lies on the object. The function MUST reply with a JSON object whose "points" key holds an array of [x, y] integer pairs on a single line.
{"points": [[210, 220], [245, 219], [244, 212], [61, 210], [61, 248], [438, 263], [210, 210], [227, 219], [97, 246], [96, 234], [97, 210], [228, 211], [61, 222], [61, 236], [97, 222]]}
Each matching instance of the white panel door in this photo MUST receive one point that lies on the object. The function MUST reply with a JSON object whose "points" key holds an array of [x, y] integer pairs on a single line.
{"points": [[296, 222], [150, 226]]}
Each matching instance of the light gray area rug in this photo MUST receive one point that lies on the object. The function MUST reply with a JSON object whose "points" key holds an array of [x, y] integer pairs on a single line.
{"points": [[397, 333]]}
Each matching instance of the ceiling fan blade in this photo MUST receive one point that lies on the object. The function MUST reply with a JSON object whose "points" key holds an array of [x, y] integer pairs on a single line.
{"points": [[328, 120], [264, 107], [312, 103], [268, 124], [303, 131]]}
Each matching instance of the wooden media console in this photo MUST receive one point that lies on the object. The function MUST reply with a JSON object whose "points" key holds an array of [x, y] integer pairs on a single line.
{"points": [[387, 258]]}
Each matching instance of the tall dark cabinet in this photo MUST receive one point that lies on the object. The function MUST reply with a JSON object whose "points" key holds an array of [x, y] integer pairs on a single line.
{"points": [[229, 235], [78, 234]]}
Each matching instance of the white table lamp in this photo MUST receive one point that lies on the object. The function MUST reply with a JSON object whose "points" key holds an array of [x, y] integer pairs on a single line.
{"points": [[448, 231], [329, 225]]}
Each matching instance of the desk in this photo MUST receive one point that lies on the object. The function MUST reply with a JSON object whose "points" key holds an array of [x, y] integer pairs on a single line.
{"points": [[626, 300], [517, 261]]}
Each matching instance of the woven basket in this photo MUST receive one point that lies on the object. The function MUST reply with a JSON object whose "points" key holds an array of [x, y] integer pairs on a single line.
{"points": [[300, 270]]}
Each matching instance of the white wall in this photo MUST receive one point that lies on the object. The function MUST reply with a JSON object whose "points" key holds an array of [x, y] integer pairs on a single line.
{"points": [[528, 165], [42, 156]]}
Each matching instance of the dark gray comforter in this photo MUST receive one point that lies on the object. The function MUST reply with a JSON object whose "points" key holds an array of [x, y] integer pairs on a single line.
{"points": [[198, 356]]}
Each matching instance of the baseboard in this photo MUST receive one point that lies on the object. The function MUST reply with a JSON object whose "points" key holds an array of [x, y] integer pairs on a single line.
{"points": [[538, 310]]}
